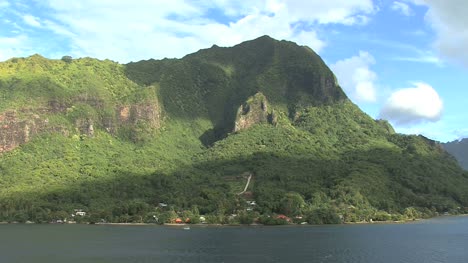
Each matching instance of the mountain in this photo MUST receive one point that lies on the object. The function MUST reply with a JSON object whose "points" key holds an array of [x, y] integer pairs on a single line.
{"points": [[181, 137], [459, 149]]}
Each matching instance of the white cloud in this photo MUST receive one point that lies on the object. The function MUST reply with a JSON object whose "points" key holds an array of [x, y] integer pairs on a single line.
{"points": [[423, 58], [9, 41], [418, 33], [461, 133], [323, 12], [401, 7], [31, 20], [356, 77], [14, 47], [449, 20], [409, 52], [125, 31], [434, 130], [443, 130], [413, 105], [4, 4], [57, 29], [332, 11], [310, 39]]}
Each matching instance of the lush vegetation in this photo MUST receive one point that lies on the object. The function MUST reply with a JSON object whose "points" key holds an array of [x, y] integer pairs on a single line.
{"points": [[324, 160]]}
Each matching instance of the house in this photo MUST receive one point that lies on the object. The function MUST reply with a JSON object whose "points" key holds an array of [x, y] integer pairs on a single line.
{"points": [[251, 203], [162, 205], [284, 217], [178, 221], [79, 212]]}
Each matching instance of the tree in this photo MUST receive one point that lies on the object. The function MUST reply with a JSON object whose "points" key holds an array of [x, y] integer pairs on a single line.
{"points": [[320, 216], [67, 59], [247, 218], [167, 217], [411, 213], [292, 204]]}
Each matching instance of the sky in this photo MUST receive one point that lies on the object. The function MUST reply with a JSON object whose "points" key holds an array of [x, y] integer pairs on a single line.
{"points": [[404, 61]]}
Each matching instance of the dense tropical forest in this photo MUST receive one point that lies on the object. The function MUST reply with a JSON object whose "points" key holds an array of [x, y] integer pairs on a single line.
{"points": [[156, 140]]}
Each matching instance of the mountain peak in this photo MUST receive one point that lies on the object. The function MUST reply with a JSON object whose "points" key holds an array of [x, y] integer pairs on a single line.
{"points": [[264, 38]]}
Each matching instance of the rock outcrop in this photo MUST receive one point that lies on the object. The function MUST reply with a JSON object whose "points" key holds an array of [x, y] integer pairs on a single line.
{"points": [[254, 111], [15, 130], [148, 112], [19, 127], [139, 119]]}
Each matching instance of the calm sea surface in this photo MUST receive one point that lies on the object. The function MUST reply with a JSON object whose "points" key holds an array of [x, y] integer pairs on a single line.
{"points": [[442, 239]]}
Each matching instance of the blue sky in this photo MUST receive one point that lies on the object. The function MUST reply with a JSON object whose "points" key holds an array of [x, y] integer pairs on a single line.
{"points": [[405, 61]]}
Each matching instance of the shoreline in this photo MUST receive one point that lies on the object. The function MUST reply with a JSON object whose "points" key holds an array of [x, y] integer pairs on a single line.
{"points": [[237, 225]]}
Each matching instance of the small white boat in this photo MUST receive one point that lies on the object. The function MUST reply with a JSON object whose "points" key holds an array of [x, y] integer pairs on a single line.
{"points": [[186, 228]]}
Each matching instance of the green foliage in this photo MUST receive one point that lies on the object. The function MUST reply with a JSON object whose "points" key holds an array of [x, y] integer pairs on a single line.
{"points": [[168, 217], [292, 204], [67, 59], [247, 218], [162, 134], [321, 216], [272, 220]]}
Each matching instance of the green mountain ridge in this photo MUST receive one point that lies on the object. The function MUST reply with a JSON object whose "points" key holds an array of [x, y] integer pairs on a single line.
{"points": [[117, 140], [459, 149]]}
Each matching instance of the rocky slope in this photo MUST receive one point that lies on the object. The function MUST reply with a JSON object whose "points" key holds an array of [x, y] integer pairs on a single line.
{"points": [[254, 111]]}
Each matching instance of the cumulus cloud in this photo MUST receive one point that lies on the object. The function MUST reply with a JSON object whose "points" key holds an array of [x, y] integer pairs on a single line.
{"points": [[356, 77], [125, 31], [449, 20], [413, 105], [402, 8], [31, 20]]}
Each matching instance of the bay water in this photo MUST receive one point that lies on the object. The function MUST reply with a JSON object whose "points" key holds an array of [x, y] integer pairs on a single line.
{"points": [[443, 239]]}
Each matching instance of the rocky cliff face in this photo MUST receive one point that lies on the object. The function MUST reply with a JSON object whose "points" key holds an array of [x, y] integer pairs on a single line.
{"points": [[15, 130], [138, 119], [148, 112], [254, 111], [18, 127]]}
